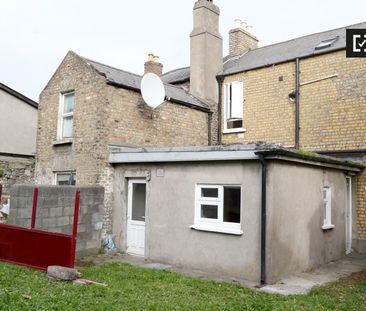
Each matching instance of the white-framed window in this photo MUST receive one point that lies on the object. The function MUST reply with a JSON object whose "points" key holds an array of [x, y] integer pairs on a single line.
{"points": [[65, 178], [66, 115], [327, 208], [233, 106], [218, 208]]}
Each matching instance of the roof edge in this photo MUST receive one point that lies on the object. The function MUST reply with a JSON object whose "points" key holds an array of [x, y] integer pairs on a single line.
{"points": [[18, 95]]}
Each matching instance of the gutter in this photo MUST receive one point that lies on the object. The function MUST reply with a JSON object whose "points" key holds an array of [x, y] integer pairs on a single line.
{"points": [[263, 279]]}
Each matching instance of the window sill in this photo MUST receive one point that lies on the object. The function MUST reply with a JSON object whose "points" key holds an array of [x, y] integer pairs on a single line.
{"points": [[233, 131], [62, 142], [216, 229], [328, 227]]}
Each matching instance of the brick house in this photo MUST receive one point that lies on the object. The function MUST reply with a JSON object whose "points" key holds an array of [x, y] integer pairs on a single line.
{"points": [[301, 94], [18, 125]]}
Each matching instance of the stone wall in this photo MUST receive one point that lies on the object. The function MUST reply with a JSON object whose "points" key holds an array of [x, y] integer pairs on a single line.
{"points": [[103, 115], [13, 170], [55, 212]]}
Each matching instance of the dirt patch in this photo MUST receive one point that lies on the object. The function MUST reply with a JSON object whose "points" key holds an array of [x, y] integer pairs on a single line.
{"points": [[359, 276]]}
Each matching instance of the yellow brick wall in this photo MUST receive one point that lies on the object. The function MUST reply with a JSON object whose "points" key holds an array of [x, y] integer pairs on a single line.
{"points": [[332, 111]]}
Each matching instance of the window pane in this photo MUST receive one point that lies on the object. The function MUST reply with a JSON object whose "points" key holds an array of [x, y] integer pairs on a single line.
{"points": [[232, 204], [64, 179], [209, 192], [67, 127], [234, 124], [237, 100], [68, 103], [209, 211], [138, 202]]}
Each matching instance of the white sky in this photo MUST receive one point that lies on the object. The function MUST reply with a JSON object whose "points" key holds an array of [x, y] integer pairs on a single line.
{"points": [[36, 34]]}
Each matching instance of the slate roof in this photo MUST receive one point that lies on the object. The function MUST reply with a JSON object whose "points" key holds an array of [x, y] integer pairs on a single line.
{"points": [[274, 54], [132, 81], [18, 95]]}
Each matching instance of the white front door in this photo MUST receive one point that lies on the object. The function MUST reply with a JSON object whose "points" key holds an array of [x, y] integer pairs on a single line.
{"points": [[136, 217], [349, 216]]}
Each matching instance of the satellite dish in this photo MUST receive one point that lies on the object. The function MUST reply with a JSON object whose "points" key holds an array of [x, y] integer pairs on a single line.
{"points": [[152, 90]]}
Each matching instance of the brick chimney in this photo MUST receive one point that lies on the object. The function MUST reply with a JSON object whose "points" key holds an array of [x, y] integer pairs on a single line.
{"points": [[153, 65], [240, 39], [206, 51]]}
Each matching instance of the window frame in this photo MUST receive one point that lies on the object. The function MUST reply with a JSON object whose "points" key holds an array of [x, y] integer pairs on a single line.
{"points": [[228, 100], [218, 224], [56, 174], [327, 208], [62, 116]]}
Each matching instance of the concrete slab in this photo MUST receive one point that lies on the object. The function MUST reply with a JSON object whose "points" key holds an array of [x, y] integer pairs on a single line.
{"points": [[157, 266], [302, 283]]}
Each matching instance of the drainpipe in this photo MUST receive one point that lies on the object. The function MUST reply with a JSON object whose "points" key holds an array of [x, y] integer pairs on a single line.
{"points": [[220, 80], [209, 127], [263, 218], [297, 109]]}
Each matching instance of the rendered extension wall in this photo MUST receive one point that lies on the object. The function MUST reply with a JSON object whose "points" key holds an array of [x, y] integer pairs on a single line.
{"points": [[55, 212], [296, 241], [170, 212]]}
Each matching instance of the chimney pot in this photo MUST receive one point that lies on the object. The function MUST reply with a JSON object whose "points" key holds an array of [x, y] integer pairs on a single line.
{"points": [[241, 39], [153, 65]]}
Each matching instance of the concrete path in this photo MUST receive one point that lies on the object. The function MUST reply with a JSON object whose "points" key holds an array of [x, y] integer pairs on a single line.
{"points": [[299, 284], [302, 283]]}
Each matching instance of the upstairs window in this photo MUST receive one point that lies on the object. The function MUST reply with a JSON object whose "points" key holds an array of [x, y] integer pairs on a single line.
{"points": [[233, 106], [66, 115], [327, 208], [218, 208]]}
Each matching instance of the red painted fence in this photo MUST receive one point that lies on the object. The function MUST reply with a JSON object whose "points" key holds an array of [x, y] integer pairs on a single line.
{"points": [[35, 248]]}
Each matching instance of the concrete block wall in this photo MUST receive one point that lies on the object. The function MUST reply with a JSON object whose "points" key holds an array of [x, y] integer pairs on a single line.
{"points": [[55, 212]]}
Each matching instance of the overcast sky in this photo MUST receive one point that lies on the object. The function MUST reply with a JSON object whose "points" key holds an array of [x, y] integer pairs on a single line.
{"points": [[36, 34]]}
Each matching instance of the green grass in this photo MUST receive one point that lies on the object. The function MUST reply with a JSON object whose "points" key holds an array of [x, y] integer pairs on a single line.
{"points": [[132, 288]]}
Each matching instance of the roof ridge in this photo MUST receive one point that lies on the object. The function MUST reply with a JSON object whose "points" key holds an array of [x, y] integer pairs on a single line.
{"points": [[112, 67], [304, 36], [174, 70]]}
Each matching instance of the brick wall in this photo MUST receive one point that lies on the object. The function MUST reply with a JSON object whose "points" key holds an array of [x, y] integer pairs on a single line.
{"points": [[332, 111], [55, 212], [105, 115]]}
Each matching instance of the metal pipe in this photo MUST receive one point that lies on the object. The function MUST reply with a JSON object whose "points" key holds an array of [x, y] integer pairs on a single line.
{"points": [[209, 128], [263, 219], [75, 228], [34, 207], [297, 109], [1, 191]]}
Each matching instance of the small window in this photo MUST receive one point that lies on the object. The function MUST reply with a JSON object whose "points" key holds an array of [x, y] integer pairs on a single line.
{"points": [[326, 43], [66, 116], [233, 106], [218, 208], [327, 208], [65, 178]]}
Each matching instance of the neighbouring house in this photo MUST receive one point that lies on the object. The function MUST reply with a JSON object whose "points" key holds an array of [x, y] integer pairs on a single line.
{"points": [[18, 127], [302, 94]]}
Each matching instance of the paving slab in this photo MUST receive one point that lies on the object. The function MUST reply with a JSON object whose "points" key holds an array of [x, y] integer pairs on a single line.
{"points": [[302, 283]]}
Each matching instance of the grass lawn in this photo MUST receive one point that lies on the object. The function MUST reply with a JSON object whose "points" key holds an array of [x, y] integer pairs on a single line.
{"points": [[132, 288]]}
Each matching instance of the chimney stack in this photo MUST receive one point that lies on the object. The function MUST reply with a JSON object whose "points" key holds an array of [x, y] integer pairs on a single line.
{"points": [[206, 51], [240, 39], [153, 65]]}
